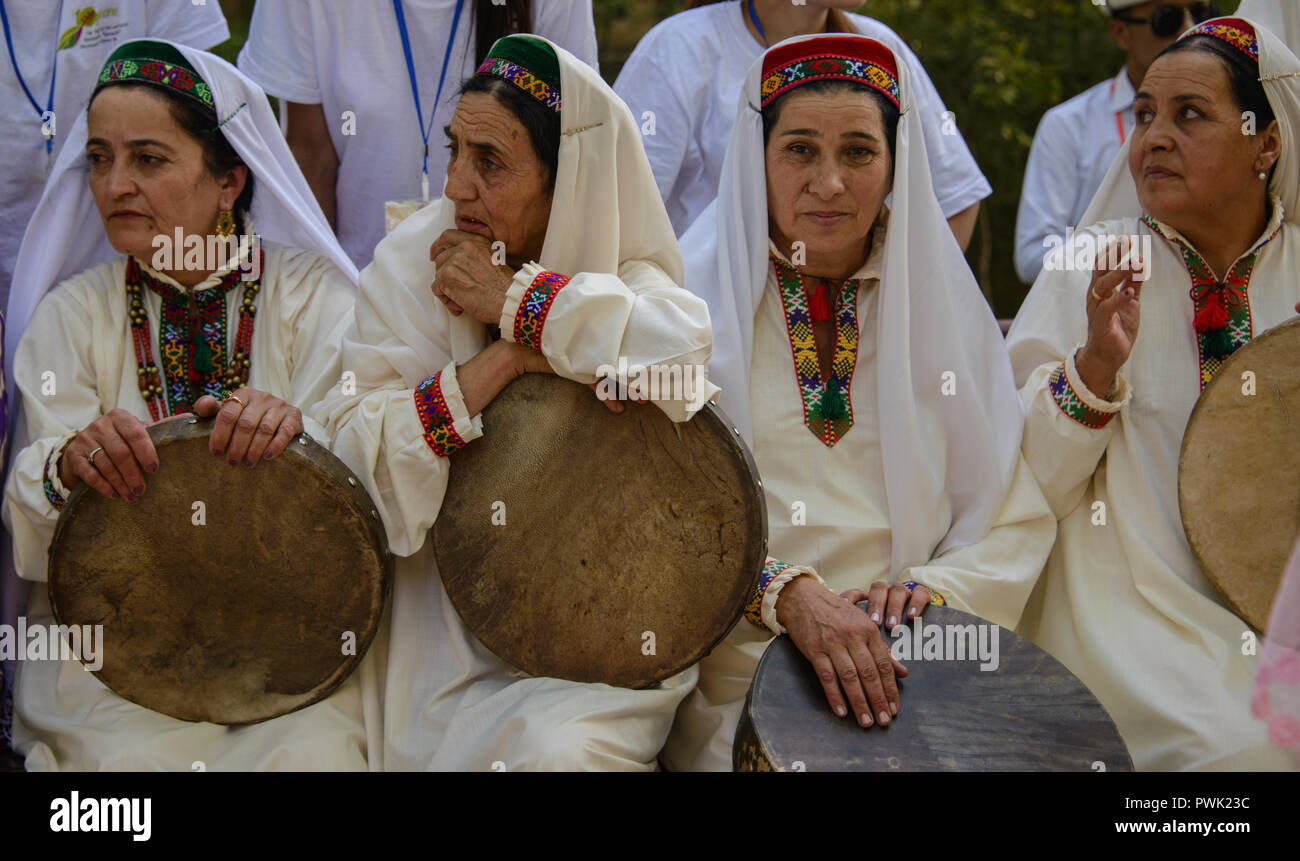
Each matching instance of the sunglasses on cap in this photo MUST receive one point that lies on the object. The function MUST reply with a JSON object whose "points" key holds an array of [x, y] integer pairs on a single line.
{"points": [[1167, 19]]}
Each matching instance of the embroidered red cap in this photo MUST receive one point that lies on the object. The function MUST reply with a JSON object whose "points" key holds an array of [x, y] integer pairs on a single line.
{"points": [[1237, 32], [830, 58]]}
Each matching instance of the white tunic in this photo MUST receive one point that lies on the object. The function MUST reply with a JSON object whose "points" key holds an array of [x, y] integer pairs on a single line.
{"points": [[347, 57], [447, 702], [1123, 603], [687, 72], [65, 718], [1073, 148], [842, 528]]}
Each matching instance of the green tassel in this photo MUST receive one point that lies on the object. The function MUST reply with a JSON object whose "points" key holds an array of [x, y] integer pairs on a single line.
{"points": [[832, 404], [202, 353], [1218, 343]]}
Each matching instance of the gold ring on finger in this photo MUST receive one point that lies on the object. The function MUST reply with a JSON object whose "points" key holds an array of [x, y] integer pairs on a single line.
{"points": [[234, 398], [91, 457]]}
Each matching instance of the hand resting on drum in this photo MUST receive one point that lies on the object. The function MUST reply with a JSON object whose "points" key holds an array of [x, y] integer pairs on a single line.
{"points": [[845, 647], [121, 450], [483, 377], [251, 425]]}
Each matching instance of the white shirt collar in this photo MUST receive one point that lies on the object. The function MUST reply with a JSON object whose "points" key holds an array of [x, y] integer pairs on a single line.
{"points": [[1121, 92]]}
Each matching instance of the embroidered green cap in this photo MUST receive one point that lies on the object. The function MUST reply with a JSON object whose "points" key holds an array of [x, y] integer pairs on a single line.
{"points": [[159, 64], [530, 64]]}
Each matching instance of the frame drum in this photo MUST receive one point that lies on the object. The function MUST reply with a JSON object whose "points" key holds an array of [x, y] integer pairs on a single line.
{"points": [[1028, 714], [227, 595], [1239, 472], [598, 547]]}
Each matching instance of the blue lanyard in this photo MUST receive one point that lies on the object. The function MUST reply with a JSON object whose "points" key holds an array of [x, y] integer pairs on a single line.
{"points": [[753, 16], [415, 86], [54, 68]]}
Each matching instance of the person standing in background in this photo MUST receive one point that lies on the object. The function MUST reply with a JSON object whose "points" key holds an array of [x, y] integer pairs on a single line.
{"points": [[1077, 140], [368, 88], [684, 78]]}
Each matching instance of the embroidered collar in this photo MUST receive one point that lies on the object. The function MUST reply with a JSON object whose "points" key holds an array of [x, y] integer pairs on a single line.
{"points": [[1221, 309], [1270, 230]]}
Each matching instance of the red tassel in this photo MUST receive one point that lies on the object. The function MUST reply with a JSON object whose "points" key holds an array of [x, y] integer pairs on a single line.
{"points": [[819, 308], [1213, 315]]}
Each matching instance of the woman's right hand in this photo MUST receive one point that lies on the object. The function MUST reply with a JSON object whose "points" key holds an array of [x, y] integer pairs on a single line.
{"points": [[1113, 316], [125, 454], [846, 649]]}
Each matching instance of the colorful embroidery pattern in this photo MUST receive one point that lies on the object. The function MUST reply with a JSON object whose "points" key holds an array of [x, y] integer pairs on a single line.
{"points": [[1072, 405], [523, 79], [1236, 32], [55, 498], [754, 609], [1222, 310], [435, 416], [161, 73], [827, 405], [829, 67], [193, 363], [530, 317]]}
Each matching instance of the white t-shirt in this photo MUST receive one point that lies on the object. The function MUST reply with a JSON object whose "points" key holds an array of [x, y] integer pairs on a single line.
{"points": [[348, 58], [1073, 149], [688, 70], [36, 28]]}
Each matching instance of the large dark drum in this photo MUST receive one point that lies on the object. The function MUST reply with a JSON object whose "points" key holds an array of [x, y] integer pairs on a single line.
{"points": [[1028, 714], [584, 545], [227, 594], [1239, 472]]}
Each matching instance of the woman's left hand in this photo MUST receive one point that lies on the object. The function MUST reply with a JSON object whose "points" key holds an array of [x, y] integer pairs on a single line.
{"points": [[251, 425], [886, 603], [467, 280]]}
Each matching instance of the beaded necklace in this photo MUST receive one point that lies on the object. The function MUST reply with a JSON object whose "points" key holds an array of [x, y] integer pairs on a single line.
{"points": [[191, 340]]}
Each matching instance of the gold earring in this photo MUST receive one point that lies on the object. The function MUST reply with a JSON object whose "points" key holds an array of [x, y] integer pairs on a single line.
{"points": [[225, 223]]}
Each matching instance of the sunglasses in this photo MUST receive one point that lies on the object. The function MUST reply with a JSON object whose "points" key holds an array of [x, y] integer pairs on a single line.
{"points": [[1167, 19]]}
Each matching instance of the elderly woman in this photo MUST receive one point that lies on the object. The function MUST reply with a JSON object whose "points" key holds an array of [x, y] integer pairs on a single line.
{"points": [[865, 370], [174, 143], [1111, 365], [550, 228]]}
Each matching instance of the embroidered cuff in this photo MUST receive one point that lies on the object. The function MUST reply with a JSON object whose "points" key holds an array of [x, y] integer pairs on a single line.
{"points": [[761, 609], [1080, 404], [443, 414], [55, 492], [528, 302]]}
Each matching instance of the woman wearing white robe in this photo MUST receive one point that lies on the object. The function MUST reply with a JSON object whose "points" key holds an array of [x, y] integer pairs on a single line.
{"points": [[1122, 601], [77, 328], [924, 483], [604, 286]]}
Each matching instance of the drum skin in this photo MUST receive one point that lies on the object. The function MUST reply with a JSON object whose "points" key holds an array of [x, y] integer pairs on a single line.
{"points": [[598, 547], [1239, 473], [1029, 714], [236, 610]]}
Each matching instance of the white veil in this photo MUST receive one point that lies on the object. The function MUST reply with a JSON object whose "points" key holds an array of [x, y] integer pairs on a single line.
{"points": [[948, 459]]}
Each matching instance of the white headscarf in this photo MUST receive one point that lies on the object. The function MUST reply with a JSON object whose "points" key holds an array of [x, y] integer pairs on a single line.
{"points": [[66, 234], [605, 212], [941, 453], [1278, 66], [1280, 17]]}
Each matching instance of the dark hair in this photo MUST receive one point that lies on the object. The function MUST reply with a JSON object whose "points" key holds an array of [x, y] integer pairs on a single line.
{"points": [[888, 113], [219, 157], [493, 20], [836, 20], [1243, 76], [542, 123]]}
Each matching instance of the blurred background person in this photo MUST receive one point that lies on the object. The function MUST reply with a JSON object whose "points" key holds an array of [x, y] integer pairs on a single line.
{"points": [[1076, 141], [687, 72], [368, 88]]}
